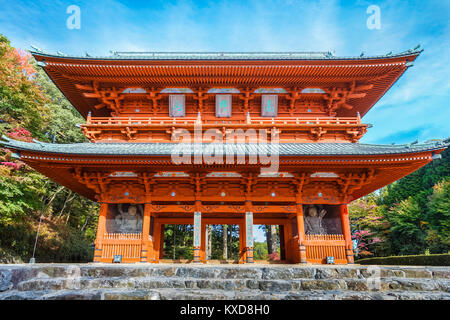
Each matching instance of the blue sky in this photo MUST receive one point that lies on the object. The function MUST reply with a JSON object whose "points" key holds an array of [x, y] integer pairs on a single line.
{"points": [[415, 108]]}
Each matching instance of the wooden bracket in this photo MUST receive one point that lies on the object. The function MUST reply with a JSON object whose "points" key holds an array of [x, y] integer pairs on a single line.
{"points": [[201, 96], [246, 97], [292, 96]]}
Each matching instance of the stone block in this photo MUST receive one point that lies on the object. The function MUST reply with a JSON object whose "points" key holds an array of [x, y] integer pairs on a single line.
{"points": [[5, 280], [275, 285], [320, 285]]}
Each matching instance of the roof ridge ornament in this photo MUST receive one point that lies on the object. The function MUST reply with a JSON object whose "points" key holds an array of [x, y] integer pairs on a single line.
{"points": [[39, 142], [412, 143], [415, 49], [6, 138], [36, 49]]}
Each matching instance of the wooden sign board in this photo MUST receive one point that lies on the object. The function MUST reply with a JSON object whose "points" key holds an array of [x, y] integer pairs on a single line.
{"points": [[223, 105], [177, 105], [269, 105]]}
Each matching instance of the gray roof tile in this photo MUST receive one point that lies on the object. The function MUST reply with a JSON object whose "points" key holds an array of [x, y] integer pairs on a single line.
{"points": [[162, 149]]}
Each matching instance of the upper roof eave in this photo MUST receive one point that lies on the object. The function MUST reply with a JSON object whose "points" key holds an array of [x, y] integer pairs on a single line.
{"points": [[224, 56], [66, 71]]}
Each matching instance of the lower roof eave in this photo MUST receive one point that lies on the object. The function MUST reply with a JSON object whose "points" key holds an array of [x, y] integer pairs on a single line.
{"points": [[238, 149]]}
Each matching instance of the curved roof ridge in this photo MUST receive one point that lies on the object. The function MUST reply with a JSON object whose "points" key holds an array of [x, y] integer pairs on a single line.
{"points": [[217, 55]]}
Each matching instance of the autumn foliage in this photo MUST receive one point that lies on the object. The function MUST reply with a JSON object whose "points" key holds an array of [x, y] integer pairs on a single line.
{"points": [[32, 107]]}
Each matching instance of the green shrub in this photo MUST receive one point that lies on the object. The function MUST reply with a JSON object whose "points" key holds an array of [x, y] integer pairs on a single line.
{"points": [[412, 260]]}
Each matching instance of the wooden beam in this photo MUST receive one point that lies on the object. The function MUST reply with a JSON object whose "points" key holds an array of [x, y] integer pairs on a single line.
{"points": [[345, 221], [101, 229], [301, 232], [147, 245]]}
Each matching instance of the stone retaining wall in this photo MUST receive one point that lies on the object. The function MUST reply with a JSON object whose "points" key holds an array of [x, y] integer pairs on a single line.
{"points": [[178, 281]]}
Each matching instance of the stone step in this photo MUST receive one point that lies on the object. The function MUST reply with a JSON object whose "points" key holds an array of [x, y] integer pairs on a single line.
{"points": [[354, 284], [202, 294], [150, 281], [283, 272]]}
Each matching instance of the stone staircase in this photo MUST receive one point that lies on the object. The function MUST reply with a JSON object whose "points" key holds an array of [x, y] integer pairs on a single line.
{"points": [[223, 282]]}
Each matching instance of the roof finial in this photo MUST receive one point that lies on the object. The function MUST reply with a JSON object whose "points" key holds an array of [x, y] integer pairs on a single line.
{"points": [[415, 49], [412, 143], [36, 48]]}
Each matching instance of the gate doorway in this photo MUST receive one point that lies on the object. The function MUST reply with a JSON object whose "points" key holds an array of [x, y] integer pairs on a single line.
{"points": [[177, 245], [222, 243], [271, 243]]}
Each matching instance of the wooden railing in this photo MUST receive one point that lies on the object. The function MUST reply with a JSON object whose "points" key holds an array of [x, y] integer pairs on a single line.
{"points": [[139, 120], [122, 236], [128, 245], [324, 237], [130, 121], [319, 246]]}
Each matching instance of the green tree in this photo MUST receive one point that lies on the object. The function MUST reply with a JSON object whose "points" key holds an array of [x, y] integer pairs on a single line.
{"points": [[438, 236], [260, 251], [369, 226], [406, 233], [418, 184]]}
